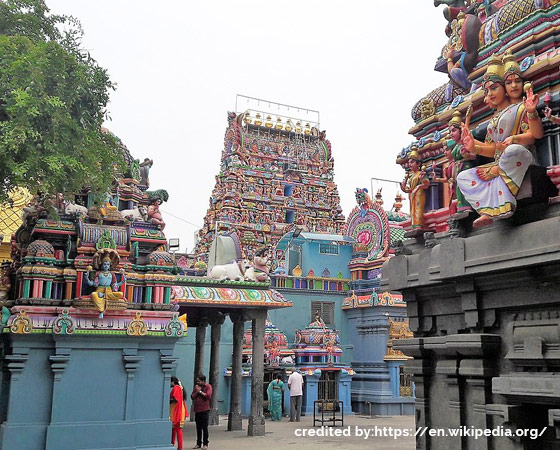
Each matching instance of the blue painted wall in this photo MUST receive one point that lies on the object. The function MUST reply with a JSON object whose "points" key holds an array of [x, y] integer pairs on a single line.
{"points": [[312, 259], [375, 385], [80, 391]]}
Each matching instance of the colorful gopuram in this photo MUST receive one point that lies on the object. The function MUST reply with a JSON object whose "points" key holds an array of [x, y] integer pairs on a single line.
{"points": [[478, 272], [275, 171]]}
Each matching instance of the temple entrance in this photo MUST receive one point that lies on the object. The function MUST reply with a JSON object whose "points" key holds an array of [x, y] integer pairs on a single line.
{"points": [[328, 385]]}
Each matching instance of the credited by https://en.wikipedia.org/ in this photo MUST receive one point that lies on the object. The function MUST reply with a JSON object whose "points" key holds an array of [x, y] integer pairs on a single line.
{"points": [[396, 433]]}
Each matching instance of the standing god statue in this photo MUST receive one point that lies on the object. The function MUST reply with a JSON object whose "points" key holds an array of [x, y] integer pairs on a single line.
{"points": [[415, 185]]}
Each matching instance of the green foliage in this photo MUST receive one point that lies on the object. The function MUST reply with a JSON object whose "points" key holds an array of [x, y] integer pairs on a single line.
{"points": [[53, 99]]}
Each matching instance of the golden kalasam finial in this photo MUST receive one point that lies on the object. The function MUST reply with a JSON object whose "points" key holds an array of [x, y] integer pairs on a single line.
{"points": [[258, 120], [279, 124], [247, 118], [268, 123], [289, 126], [298, 127], [510, 64], [307, 130]]}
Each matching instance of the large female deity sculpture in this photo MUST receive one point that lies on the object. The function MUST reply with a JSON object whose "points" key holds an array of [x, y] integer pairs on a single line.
{"points": [[105, 281], [415, 184], [491, 189]]}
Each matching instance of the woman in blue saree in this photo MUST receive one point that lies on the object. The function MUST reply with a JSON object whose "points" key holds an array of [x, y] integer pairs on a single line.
{"points": [[275, 393]]}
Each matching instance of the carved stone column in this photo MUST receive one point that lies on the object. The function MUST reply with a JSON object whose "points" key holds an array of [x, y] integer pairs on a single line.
{"points": [[235, 422], [450, 369], [199, 354], [478, 375], [256, 418], [214, 376]]}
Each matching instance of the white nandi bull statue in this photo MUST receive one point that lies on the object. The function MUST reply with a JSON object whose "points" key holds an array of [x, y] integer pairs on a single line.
{"points": [[139, 214], [232, 271], [74, 209]]}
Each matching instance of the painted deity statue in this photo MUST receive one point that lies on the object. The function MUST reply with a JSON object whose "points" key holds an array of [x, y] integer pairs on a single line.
{"points": [[415, 185], [449, 175], [154, 213], [105, 281], [491, 189], [463, 160], [514, 89]]}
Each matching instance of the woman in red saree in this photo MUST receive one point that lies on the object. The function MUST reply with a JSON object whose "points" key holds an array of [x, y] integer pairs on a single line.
{"points": [[177, 412]]}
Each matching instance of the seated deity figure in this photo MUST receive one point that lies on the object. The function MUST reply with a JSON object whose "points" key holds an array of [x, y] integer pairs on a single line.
{"points": [[415, 185], [105, 281], [491, 189], [514, 89]]}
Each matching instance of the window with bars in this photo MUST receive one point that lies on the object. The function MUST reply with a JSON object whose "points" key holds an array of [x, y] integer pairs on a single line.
{"points": [[328, 249], [326, 311]]}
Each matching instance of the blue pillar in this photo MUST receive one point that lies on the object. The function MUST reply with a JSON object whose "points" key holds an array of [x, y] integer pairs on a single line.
{"points": [[286, 398], [245, 396], [395, 378], [345, 390], [310, 391]]}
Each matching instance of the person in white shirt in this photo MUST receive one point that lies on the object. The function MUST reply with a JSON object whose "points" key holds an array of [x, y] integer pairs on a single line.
{"points": [[295, 384]]}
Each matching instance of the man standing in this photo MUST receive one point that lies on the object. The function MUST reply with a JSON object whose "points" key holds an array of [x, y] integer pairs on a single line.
{"points": [[201, 395], [295, 384]]}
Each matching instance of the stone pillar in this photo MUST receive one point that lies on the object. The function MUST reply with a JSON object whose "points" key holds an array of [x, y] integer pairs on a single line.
{"points": [[235, 422], [421, 371], [214, 375], [450, 369], [478, 374], [199, 354], [256, 418]]}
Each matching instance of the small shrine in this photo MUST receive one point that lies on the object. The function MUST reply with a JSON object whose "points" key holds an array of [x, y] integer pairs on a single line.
{"points": [[277, 353], [317, 350]]}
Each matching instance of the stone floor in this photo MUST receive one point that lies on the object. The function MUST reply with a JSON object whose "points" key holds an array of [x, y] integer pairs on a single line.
{"points": [[281, 435]]}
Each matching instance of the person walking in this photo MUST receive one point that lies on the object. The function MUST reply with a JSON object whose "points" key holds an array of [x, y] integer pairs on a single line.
{"points": [[201, 394], [275, 393], [295, 384], [177, 411]]}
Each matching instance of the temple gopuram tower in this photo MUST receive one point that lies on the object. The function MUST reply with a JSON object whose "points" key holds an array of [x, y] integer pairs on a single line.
{"points": [[276, 173]]}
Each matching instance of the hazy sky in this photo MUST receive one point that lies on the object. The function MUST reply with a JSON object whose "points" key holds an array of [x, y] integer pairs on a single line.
{"points": [[178, 66]]}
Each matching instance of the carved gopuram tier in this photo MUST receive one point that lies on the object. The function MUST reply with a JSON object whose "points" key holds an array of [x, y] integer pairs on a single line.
{"points": [[485, 313]]}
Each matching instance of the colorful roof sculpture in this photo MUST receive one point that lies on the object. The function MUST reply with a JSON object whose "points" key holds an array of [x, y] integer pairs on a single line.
{"points": [[228, 296], [374, 299], [481, 36], [318, 346]]}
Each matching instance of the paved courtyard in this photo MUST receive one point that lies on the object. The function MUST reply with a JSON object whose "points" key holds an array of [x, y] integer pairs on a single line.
{"points": [[282, 435]]}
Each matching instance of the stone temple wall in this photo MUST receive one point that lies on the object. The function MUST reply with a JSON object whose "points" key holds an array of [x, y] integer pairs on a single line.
{"points": [[485, 312]]}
